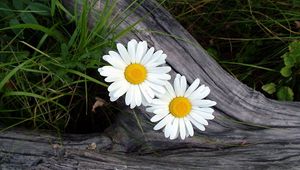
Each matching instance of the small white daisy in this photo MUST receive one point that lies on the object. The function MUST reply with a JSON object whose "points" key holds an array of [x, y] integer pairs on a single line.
{"points": [[135, 71], [180, 107]]}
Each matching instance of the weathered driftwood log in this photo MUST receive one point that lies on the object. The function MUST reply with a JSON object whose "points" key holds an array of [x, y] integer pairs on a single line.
{"points": [[250, 131]]}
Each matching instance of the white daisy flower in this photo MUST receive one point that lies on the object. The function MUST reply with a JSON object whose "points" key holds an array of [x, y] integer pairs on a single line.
{"points": [[181, 107], [135, 71]]}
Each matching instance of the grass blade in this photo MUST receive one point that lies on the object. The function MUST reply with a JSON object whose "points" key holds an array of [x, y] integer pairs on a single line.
{"points": [[52, 32], [12, 73]]}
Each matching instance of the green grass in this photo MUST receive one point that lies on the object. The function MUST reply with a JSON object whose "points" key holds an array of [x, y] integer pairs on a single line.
{"points": [[248, 38], [49, 55], [48, 64]]}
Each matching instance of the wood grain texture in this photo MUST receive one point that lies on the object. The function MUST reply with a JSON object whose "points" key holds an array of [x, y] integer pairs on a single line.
{"points": [[250, 131]]}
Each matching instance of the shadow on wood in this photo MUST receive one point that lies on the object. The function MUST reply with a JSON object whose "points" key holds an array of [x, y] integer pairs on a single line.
{"points": [[250, 131]]}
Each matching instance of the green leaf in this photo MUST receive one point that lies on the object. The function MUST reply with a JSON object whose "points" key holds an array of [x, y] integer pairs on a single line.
{"points": [[288, 60], [12, 22], [12, 73], [18, 4], [87, 77], [34, 95], [296, 2], [286, 71], [64, 50], [28, 18], [292, 57], [51, 32], [213, 52], [270, 88], [22, 55], [285, 93], [246, 54], [5, 10], [53, 6], [39, 9]]}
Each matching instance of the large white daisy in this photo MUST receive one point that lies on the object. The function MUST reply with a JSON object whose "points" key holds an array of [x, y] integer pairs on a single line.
{"points": [[181, 107], [136, 72]]}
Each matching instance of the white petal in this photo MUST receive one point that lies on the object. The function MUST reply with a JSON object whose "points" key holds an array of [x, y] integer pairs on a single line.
{"points": [[133, 103], [155, 64], [152, 108], [110, 71], [177, 84], [128, 96], [170, 90], [132, 97], [114, 78], [132, 44], [195, 123], [147, 56], [141, 50], [159, 61], [206, 110], [192, 88], [113, 55], [164, 122], [164, 110], [121, 55], [177, 134], [189, 126], [144, 101], [137, 95], [182, 128], [99, 70], [202, 94], [154, 57], [121, 91], [159, 70], [115, 85], [205, 115], [116, 62], [161, 58], [165, 97], [174, 129], [197, 91], [159, 102], [199, 118], [156, 79], [148, 90], [158, 89], [168, 129], [187, 133], [159, 76], [203, 103], [112, 98], [158, 117], [183, 85], [145, 94]]}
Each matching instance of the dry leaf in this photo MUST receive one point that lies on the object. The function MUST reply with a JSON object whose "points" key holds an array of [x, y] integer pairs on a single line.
{"points": [[56, 146], [98, 103], [297, 24], [92, 146]]}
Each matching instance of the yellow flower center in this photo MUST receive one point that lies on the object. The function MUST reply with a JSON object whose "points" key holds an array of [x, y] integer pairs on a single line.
{"points": [[180, 107], [135, 73]]}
